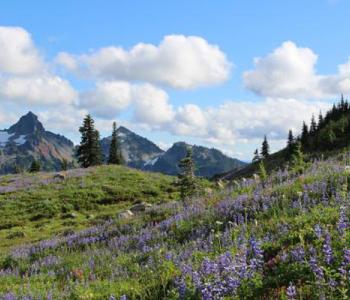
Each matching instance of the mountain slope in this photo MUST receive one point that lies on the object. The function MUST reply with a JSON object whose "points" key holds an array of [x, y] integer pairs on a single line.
{"points": [[327, 137], [136, 150], [80, 238], [27, 140], [208, 162]]}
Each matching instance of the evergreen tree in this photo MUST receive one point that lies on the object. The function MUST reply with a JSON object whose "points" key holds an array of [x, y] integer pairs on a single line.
{"points": [[320, 120], [64, 165], [256, 157], [35, 166], [304, 135], [290, 144], [115, 154], [313, 126], [291, 139], [187, 179], [89, 151], [262, 173], [297, 161], [265, 148]]}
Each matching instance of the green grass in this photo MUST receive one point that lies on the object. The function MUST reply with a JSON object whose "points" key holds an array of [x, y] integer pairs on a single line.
{"points": [[40, 212], [143, 258]]}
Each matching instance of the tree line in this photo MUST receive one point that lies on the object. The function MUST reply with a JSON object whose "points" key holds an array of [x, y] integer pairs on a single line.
{"points": [[330, 131]]}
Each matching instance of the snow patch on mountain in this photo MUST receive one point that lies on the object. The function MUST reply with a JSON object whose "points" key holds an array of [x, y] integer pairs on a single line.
{"points": [[151, 162], [20, 140], [4, 137]]}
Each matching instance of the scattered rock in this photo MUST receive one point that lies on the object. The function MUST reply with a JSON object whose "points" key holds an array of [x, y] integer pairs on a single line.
{"points": [[59, 176], [138, 207], [221, 184], [16, 234], [208, 191], [69, 216], [126, 214]]}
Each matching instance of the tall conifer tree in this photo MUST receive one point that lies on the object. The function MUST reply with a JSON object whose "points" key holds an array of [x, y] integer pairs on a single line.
{"points": [[187, 179], [304, 135], [265, 148], [115, 154], [290, 144], [256, 157], [313, 125], [89, 151]]}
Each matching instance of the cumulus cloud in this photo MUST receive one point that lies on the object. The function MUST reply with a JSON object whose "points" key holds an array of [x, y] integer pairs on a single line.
{"points": [[108, 98], [65, 120], [24, 76], [289, 72], [151, 105], [243, 121], [37, 90], [18, 54], [179, 61]]}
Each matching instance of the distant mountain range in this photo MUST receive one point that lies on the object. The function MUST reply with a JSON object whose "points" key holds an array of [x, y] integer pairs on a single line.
{"points": [[27, 140], [136, 150], [208, 162]]}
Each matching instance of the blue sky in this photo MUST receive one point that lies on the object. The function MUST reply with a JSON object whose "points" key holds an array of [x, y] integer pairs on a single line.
{"points": [[243, 30]]}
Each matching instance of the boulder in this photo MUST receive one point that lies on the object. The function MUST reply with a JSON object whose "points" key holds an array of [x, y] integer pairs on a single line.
{"points": [[220, 184], [59, 176], [138, 207], [256, 177], [70, 215], [126, 214], [208, 191]]}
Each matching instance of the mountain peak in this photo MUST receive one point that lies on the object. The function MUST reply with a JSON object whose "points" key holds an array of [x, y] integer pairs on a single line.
{"points": [[27, 124]]}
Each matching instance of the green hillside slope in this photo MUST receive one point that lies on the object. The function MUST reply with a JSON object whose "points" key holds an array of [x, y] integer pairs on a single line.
{"points": [[285, 238], [35, 207]]}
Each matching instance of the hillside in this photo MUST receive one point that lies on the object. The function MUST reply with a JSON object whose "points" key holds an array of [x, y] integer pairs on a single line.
{"points": [[285, 238], [322, 138], [38, 206], [136, 150], [28, 140], [208, 162]]}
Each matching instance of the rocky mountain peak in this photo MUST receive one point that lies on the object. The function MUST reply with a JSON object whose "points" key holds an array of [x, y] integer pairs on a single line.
{"points": [[27, 124]]}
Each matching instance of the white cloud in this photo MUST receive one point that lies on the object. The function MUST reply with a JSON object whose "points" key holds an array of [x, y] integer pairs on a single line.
{"points": [[108, 99], [243, 122], [289, 72], [37, 90], [67, 61], [24, 76], [151, 105], [178, 61], [66, 120], [18, 54]]}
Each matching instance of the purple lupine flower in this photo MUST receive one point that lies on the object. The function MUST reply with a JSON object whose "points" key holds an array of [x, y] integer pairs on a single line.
{"points": [[255, 254], [327, 249], [9, 296], [343, 221], [123, 297], [318, 230], [298, 254], [291, 291], [315, 268], [346, 261], [181, 287]]}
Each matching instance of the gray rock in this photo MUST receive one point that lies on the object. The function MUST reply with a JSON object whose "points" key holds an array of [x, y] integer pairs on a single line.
{"points": [[126, 214], [69, 216], [138, 207], [59, 176]]}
